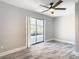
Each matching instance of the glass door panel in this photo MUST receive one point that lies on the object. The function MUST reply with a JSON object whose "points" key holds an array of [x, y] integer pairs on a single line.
{"points": [[33, 30], [37, 31], [40, 31]]}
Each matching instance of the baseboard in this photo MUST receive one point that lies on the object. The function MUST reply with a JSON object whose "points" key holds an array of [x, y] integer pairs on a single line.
{"points": [[49, 40], [65, 41], [12, 51], [60, 40], [75, 53]]}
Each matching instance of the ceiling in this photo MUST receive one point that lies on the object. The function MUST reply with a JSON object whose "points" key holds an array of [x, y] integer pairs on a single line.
{"points": [[34, 5]]}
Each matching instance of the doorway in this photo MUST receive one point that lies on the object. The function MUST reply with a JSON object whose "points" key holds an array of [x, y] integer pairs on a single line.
{"points": [[36, 31]]}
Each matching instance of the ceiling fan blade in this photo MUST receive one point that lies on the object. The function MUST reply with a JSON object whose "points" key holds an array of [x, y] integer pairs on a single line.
{"points": [[44, 6], [44, 11], [60, 8], [58, 3]]}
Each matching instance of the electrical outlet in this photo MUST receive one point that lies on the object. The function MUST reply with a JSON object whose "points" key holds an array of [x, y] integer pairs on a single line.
{"points": [[2, 47]]}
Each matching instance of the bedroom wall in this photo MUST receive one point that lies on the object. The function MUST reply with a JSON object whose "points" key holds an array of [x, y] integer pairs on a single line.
{"points": [[49, 29], [13, 26], [77, 26], [64, 28]]}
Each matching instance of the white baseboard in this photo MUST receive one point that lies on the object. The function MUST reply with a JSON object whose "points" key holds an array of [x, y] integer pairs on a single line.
{"points": [[12, 51], [75, 53], [65, 41], [48, 40], [60, 40]]}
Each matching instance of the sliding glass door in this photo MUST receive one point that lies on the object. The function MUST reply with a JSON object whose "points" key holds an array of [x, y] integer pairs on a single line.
{"points": [[40, 30], [37, 31]]}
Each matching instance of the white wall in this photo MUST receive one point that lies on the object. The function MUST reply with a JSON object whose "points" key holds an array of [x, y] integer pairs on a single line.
{"points": [[64, 28], [49, 29], [77, 25], [13, 26]]}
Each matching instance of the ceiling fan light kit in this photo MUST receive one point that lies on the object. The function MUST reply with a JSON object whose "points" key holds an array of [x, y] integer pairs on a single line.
{"points": [[51, 10], [52, 7]]}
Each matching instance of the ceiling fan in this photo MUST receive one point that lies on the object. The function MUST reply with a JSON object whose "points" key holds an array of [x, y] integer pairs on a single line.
{"points": [[52, 7]]}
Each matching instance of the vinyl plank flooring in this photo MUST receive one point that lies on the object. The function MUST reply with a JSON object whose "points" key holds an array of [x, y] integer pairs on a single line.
{"points": [[48, 50]]}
